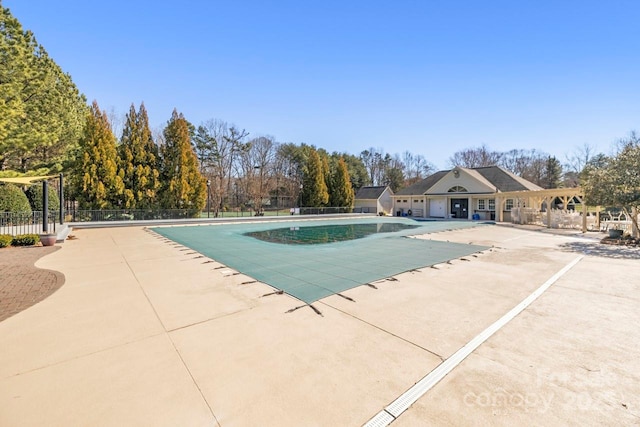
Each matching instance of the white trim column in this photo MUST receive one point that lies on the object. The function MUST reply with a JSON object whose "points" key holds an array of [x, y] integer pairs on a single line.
{"points": [[499, 209]]}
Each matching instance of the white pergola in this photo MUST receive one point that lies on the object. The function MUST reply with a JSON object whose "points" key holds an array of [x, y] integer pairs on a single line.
{"points": [[536, 198]]}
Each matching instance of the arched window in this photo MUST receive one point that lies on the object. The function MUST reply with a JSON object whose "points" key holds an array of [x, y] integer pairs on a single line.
{"points": [[457, 189]]}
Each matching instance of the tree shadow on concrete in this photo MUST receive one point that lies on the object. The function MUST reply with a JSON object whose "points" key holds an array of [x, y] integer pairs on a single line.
{"points": [[602, 250]]}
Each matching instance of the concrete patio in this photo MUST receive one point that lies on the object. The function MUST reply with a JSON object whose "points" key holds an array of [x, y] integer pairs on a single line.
{"points": [[146, 332]]}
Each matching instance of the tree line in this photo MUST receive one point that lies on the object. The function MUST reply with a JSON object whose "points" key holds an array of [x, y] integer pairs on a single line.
{"points": [[186, 167], [136, 173], [535, 166]]}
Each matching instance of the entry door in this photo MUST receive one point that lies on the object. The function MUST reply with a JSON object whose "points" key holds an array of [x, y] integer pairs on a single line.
{"points": [[460, 208], [437, 207]]}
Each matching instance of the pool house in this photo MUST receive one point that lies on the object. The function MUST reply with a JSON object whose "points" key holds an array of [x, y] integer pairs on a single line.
{"points": [[468, 193]]}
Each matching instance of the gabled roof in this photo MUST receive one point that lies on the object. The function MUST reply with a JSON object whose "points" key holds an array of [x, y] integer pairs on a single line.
{"points": [[421, 187], [371, 193], [504, 180], [493, 176], [479, 177]]}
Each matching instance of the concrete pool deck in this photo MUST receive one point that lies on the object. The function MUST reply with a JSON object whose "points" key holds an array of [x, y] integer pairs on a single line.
{"points": [[145, 332]]}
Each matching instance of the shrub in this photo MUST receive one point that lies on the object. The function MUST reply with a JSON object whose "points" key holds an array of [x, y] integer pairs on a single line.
{"points": [[25, 240], [13, 199], [5, 240], [34, 194]]}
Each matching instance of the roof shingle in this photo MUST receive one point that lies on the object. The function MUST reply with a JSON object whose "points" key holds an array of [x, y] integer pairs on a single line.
{"points": [[371, 193]]}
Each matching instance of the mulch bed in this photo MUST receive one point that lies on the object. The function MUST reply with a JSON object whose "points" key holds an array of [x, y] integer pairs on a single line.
{"points": [[21, 283], [624, 241]]}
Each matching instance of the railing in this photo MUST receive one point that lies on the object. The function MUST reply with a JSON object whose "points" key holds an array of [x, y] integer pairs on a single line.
{"points": [[27, 223], [325, 210], [16, 223], [616, 221], [559, 218], [127, 214], [364, 209]]}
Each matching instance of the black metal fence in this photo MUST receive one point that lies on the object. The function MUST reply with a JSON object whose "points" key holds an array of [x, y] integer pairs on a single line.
{"points": [[16, 223], [27, 223], [127, 214], [325, 210], [268, 211]]}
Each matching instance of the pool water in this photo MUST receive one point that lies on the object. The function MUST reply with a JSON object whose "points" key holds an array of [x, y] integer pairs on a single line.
{"points": [[318, 234]]}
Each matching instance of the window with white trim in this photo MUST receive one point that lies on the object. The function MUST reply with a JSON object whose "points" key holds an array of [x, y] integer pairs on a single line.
{"points": [[508, 205], [492, 204], [481, 204]]}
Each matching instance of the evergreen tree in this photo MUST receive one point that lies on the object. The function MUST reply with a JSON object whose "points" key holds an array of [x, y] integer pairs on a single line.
{"points": [[139, 157], [326, 172], [41, 111], [342, 194], [357, 170], [98, 182], [552, 175], [184, 186], [206, 148], [314, 187]]}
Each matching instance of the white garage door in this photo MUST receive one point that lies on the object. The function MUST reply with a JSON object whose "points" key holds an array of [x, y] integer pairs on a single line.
{"points": [[437, 208]]}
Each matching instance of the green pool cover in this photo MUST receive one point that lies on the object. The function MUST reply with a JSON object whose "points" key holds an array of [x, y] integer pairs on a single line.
{"points": [[310, 272]]}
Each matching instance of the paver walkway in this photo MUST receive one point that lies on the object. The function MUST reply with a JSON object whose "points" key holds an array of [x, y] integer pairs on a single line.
{"points": [[21, 283]]}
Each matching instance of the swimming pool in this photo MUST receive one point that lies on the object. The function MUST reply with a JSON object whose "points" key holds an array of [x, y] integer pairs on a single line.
{"points": [[313, 271], [304, 234]]}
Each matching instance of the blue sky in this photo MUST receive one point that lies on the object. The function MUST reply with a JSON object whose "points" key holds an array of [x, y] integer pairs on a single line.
{"points": [[430, 77]]}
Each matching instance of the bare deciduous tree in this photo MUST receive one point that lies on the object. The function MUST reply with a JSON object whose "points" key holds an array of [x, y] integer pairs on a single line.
{"points": [[416, 167], [257, 166], [217, 145], [475, 157]]}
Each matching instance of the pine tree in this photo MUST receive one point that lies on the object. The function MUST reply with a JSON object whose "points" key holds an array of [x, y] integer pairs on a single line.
{"points": [[342, 194], [41, 111], [326, 173], [139, 157], [552, 173], [184, 186], [314, 189], [98, 181]]}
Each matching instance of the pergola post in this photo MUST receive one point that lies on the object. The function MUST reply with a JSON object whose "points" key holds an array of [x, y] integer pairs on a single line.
{"points": [[584, 216], [45, 206], [61, 197], [549, 200], [634, 227]]}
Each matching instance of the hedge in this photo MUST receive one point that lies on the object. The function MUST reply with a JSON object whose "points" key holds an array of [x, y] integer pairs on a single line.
{"points": [[13, 199], [34, 194], [25, 240], [5, 240]]}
